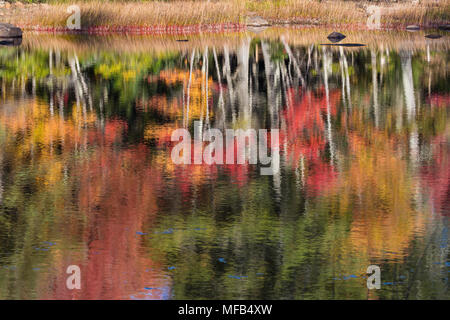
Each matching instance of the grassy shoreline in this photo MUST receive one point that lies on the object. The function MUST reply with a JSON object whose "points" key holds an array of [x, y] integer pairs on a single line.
{"points": [[220, 15]]}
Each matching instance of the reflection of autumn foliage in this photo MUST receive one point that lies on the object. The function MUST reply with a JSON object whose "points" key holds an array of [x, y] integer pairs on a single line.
{"points": [[102, 193], [174, 108], [118, 199], [188, 175], [435, 172], [115, 188], [321, 176], [439, 100], [378, 190], [160, 134], [305, 134], [43, 132], [435, 176], [169, 108]]}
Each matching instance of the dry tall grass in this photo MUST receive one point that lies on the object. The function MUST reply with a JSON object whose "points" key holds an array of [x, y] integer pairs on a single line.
{"points": [[426, 12], [182, 13], [95, 13]]}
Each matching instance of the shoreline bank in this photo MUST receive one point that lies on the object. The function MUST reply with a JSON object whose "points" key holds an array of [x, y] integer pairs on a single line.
{"points": [[198, 29]]}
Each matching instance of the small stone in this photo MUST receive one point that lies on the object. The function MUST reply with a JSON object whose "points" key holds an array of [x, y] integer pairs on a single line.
{"points": [[336, 37], [445, 27], [412, 27]]}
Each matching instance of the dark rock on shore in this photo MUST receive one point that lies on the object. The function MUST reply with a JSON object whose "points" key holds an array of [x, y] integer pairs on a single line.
{"points": [[255, 21], [9, 31], [445, 27], [336, 37]]}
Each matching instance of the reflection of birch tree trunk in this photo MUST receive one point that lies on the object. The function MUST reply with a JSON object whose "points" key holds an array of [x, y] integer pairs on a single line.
{"points": [[341, 65], [242, 87], [429, 82], [285, 84], [347, 77], [33, 86], [268, 68], [82, 81], [375, 87], [316, 61], [50, 62], [82, 92], [60, 100], [308, 64], [186, 119], [408, 88], [272, 102], [22, 83], [293, 60], [78, 90], [221, 102], [81, 89], [382, 64], [326, 63], [204, 87], [227, 71], [51, 102]]}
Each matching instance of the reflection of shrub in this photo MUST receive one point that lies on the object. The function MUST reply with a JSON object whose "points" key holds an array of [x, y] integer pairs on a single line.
{"points": [[277, 52]]}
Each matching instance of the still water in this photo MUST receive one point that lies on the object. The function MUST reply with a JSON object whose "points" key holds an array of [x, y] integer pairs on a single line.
{"points": [[86, 176]]}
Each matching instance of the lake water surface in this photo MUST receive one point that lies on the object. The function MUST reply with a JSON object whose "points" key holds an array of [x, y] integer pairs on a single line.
{"points": [[86, 176]]}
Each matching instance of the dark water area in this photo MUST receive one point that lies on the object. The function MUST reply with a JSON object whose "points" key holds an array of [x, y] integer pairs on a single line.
{"points": [[87, 179]]}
